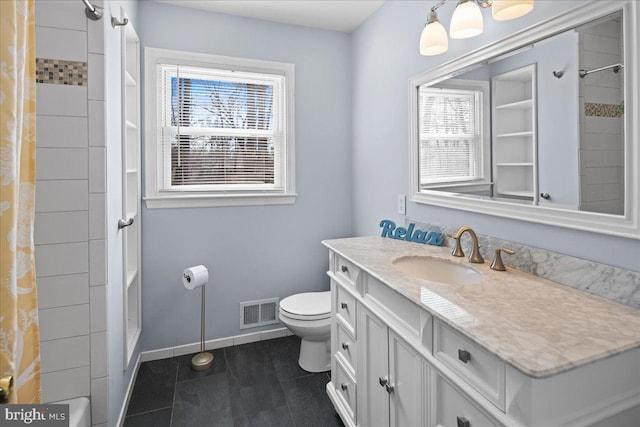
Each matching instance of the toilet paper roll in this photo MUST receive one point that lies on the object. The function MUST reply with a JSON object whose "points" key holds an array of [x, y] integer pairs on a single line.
{"points": [[196, 276]]}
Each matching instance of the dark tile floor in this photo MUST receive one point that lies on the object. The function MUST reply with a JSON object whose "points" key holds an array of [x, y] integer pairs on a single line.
{"points": [[257, 384]]}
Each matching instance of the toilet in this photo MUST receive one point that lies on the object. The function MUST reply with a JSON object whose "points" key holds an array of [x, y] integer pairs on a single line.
{"points": [[308, 315]]}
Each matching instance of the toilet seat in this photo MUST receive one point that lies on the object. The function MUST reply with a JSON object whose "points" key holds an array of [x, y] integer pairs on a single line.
{"points": [[307, 306]]}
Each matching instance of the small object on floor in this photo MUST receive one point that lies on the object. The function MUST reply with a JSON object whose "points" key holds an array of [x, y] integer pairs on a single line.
{"points": [[202, 361]]}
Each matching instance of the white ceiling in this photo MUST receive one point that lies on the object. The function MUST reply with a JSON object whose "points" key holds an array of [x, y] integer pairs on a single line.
{"points": [[336, 15]]}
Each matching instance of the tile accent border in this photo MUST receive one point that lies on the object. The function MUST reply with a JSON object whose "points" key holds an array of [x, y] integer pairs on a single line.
{"points": [[604, 280], [59, 72], [603, 110]]}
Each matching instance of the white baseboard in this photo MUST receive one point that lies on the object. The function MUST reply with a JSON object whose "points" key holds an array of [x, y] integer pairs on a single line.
{"points": [[165, 353]]}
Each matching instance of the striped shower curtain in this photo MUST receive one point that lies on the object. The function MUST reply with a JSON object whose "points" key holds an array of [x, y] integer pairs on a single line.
{"points": [[19, 333]]}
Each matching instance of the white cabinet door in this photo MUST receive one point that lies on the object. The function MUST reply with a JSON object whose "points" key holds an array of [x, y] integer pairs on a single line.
{"points": [[373, 345], [405, 376], [390, 376]]}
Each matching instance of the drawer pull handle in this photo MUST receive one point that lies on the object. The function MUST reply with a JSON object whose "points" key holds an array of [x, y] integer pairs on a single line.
{"points": [[390, 388], [383, 381], [343, 305], [344, 269], [345, 345], [463, 422], [464, 356], [344, 387]]}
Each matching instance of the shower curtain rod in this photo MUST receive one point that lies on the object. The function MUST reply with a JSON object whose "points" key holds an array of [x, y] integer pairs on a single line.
{"points": [[91, 11], [616, 68]]}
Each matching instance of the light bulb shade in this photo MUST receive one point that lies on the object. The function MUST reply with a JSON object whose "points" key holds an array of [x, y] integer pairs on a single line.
{"points": [[466, 21], [503, 10], [433, 40]]}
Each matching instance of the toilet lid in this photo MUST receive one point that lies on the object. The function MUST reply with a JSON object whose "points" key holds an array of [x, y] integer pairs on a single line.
{"points": [[308, 305]]}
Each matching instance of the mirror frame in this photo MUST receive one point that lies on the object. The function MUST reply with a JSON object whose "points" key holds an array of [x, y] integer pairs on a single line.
{"points": [[626, 225]]}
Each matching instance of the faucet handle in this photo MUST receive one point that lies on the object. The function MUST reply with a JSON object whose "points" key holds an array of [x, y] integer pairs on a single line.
{"points": [[497, 263], [457, 251]]}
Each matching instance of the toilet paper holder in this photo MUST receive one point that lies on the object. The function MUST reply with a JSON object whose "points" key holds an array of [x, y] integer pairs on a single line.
{"points": [[202, 360]]}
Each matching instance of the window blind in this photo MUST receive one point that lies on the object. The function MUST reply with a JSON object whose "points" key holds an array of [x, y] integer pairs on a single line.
{"points": [[221, 130], [450, 132]]}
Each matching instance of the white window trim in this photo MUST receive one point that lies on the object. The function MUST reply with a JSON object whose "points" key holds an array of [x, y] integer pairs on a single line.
{"points": [[153, 197], [485, 162]]}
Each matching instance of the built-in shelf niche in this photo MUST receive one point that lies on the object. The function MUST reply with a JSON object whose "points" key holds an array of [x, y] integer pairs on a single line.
{"points": [[131, 237], [514, 134]]}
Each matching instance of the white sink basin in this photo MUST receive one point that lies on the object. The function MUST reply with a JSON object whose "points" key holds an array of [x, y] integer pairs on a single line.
{"points": [[437, 270]]}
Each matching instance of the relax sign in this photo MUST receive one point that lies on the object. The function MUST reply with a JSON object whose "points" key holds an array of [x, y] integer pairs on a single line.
{"points": [[410, 234]]}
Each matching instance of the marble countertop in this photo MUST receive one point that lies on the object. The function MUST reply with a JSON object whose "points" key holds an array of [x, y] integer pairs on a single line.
{"points": [[539, 326]]}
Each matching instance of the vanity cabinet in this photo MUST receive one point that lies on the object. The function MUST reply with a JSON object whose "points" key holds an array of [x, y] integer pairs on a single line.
{"points": [[400, 362], [377, 377], [514, 134]]}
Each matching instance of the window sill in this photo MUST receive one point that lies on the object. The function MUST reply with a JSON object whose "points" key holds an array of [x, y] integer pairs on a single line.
{"points": [[221, 200], [460, 187]]}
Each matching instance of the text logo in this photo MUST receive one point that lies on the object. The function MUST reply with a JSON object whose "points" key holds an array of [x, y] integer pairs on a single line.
{"points": [[410, 234], [37, 415]]}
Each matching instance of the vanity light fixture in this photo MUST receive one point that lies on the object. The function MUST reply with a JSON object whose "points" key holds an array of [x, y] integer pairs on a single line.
{"points": [[467, 21], [504, 10], [433, 40]]}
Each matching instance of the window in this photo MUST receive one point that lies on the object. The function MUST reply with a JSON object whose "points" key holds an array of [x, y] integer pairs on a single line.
{"points": [[451, 136], [219, 130]]}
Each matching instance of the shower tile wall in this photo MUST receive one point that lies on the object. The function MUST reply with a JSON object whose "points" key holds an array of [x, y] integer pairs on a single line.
{"points": [[71, 205], [601, 120]]}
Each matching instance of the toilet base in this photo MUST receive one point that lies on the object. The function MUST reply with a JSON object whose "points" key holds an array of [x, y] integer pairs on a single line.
{"points": [[315, 356]]}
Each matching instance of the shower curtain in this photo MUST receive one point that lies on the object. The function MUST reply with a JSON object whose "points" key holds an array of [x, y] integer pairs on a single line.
{"points": [[19, 333]]}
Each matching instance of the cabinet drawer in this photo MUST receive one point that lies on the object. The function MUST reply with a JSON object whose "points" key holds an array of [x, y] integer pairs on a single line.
{"points": [[346, 271], [451, 408], [346, 346], [346, 389], [346, 309], [394, 305], [481, 369]]}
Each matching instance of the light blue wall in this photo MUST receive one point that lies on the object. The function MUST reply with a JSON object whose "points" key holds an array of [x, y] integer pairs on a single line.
{"points": [[252, 252], [385, 55]]}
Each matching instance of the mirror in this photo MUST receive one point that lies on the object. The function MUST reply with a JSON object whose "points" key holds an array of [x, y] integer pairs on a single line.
{"points": [[540, 122]]}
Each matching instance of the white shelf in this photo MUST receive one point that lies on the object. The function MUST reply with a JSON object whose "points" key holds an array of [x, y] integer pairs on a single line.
{"points": [[129, 80], [518, 105], [515, 134], [517, 193], [514, 137], [131, 276], [518, 164], [132, 336]]}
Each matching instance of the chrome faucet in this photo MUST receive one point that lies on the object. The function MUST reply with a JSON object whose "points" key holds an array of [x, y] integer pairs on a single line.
{"points": [[475, 256]]}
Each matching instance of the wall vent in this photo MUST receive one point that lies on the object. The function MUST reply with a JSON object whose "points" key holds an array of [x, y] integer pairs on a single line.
{"points": [[258, 313]]}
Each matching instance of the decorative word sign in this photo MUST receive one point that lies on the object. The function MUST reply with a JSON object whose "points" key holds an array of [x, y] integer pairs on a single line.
{"points": [[390, 230]]}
